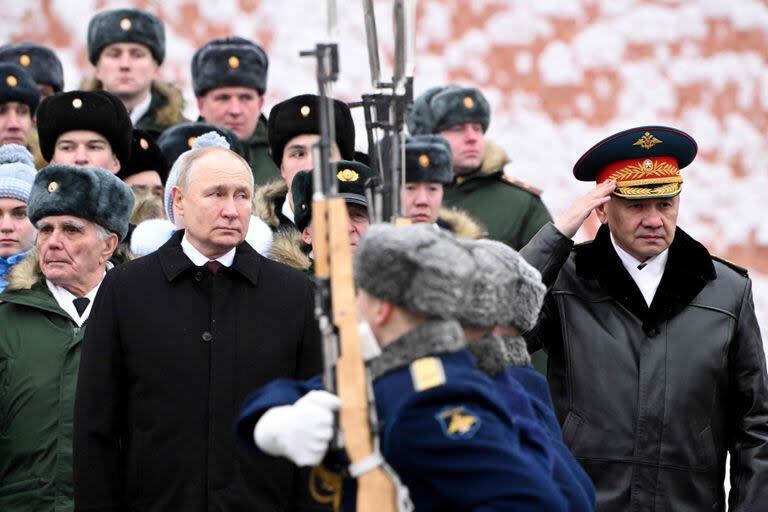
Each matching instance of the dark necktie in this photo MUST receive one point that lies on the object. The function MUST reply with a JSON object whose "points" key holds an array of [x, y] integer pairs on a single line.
{"points": [[80, 304], [642, 266], [213, 266]]}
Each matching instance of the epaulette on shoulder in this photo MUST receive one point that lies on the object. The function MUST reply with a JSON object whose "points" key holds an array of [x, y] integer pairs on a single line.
{"points": [[741, 270], [521, 184]]}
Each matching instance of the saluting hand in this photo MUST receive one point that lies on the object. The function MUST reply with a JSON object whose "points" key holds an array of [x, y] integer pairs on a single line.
{"points": [[571, 220]]}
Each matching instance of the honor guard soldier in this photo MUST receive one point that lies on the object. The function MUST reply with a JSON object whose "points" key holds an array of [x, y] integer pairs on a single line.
{"points": [[448, 436], [229, 77], [656, 362], [19, 98], [427, 173], [87, 129], [293, 247], [127, 48], [511, 211], [293, 128], [39, 61]]}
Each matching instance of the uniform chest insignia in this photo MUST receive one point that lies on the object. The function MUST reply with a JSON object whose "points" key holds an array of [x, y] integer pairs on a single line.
{"points": [[458, 422], [426, 373]]}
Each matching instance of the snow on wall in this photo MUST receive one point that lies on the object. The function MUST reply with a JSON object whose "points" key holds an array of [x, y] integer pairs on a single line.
{"points": [[560, 75]]}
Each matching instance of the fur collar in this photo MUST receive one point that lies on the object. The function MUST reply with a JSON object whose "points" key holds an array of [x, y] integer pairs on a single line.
{"points": [[266, 199], [167, 97], [286, 249], [494, 159], [689, 268], [494, 353], [26, 273], [431, 338], [461, 224]]}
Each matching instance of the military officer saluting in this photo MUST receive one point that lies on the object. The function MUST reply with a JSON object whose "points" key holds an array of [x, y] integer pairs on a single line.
{"points": [[511, 211], [447, 434]]}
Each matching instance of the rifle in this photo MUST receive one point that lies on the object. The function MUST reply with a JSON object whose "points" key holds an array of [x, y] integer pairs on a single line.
{"points": [[378, 488], [385, 110]]}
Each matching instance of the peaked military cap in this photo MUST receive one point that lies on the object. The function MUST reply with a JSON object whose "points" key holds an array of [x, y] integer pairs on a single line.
{"points": [[351, 179], [96, 111], [428, 159], [300, 115], [421, 268], [179, 138], [17, 85], [39, 61], [442, 107], [644, 161], [126, 26], [145, 156], [90, 193], [229, 62]]}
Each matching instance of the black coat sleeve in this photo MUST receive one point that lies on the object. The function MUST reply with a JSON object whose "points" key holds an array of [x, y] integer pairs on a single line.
{"points": [[749, 399], [309, 360], [99, 422]]}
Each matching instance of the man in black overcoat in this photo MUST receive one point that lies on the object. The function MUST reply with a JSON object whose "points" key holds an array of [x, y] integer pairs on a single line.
{"points": [[177, 340]]}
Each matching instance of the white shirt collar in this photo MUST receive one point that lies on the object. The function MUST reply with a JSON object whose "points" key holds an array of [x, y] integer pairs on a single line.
{"points": [[65, 298], [647, 278], [286, 210], [141, 109], [200, 259]]}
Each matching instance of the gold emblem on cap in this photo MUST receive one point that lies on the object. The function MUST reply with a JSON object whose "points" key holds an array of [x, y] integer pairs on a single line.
{"points": [[143, 143], [304, 110], [191, 141], [77, 103], [234, 62], [125, 24], [24, 60], [347, 175], [11, 81], [647, 164], [647, 141], [424, 161], [52, 186], [469, 102]]}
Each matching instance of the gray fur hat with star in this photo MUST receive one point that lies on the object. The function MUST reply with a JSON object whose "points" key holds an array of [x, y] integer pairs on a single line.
{"points": [[505, 290], [90, 193], [421, 268], [126, 26], [17, 172], [442, 107]]}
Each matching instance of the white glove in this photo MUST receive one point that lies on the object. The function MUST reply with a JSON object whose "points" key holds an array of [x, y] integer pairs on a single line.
{"points": [[299, 432]]}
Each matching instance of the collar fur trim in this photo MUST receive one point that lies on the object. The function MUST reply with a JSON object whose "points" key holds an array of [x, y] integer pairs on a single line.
{"points": [[265, 199]]}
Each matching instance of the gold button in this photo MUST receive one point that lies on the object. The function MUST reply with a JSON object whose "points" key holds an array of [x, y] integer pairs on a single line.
{"points": [[77, 103], [125, 24], [469, 102], [24, 60], [11, 81], [234, 62], [304, 111], [52, 186], [143, 143], [424, 161], [191, 141]]}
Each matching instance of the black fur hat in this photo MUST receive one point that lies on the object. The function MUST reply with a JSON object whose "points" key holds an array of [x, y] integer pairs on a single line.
{"points": [[90, 193], [126, 26], [229, 62], [300, 115], [18, 85], [97, 111], [39, 61], [428, 159], [145, 156]]}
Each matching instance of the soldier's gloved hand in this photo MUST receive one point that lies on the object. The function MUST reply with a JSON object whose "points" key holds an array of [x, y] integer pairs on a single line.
{"points": [[299, 432]]}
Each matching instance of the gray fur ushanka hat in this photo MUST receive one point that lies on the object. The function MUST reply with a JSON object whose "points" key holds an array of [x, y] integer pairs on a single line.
{"points": [[421, 268], [90, 193], [442, 107], [229, 62], [126, 26], [504, 291]]}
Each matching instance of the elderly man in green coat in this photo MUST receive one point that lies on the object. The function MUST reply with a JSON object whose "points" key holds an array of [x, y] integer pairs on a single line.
{"points": [[510, 210], [81, 214]]}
